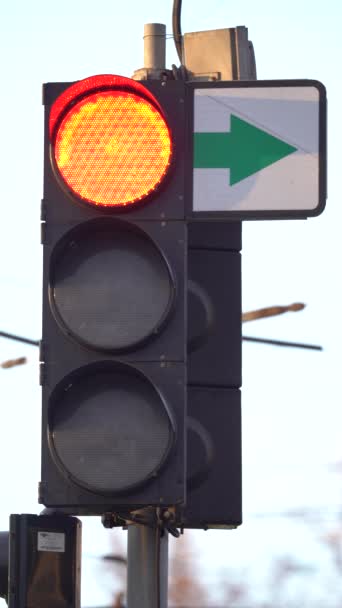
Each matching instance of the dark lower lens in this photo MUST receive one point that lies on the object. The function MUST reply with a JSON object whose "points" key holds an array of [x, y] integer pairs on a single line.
{"points": [[109, 428], [200, 453]]}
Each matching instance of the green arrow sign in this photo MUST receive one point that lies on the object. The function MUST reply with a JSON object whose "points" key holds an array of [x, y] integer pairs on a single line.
{"points": [[244, 150]]}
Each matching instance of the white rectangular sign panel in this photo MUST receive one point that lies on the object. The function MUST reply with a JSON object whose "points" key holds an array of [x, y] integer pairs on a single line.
{"points": [[259, 149], [51, 541]]}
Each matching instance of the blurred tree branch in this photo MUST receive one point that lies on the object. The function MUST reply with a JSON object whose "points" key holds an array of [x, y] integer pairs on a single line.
{"points": [[271, 311]]}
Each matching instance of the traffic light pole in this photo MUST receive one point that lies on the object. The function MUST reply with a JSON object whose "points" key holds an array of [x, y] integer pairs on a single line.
{"points": [[147, 573], [147, 547], [147, 579]]}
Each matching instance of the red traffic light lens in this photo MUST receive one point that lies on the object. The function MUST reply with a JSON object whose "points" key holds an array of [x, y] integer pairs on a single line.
{"points": [[110, 141]]}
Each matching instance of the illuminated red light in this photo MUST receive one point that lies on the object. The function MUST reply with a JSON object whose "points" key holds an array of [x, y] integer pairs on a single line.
{"points": [[111, 143]]}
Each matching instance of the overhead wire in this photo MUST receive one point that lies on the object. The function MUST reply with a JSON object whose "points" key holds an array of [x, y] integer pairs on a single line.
{"points": [[282, 343], [271, 311], [247, 316], [4, 334], [245, 338]]}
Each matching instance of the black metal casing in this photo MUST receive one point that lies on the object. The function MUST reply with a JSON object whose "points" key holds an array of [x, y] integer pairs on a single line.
{"points": [[44, 561], [193, 362], [214, 468], [161, 360]]}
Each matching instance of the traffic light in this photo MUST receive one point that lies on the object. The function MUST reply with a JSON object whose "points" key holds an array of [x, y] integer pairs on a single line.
{"points": [[214, 377], [40, 561], [113, 351], [4, 537]]}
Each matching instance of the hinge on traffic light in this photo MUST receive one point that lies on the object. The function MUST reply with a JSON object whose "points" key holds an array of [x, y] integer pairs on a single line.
{"points": [[42, 233], [162, 518], [41, 494], [42, 373]]}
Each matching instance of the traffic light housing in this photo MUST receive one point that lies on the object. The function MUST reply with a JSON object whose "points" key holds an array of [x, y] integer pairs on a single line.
{"points": [[214, 468], [4, 565], [113, 351], [141, 348], [40, 561]]}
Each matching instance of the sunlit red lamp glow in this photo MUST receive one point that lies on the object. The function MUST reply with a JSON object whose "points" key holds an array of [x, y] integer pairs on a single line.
{"points": [[110, 140]]}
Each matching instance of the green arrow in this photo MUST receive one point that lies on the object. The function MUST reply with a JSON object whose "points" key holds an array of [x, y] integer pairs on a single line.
{"points": [[244, 150]]}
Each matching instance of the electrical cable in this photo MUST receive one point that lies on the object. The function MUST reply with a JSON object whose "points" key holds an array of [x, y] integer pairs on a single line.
{"points": [[176, 27], [4, 334], [282, 343]]}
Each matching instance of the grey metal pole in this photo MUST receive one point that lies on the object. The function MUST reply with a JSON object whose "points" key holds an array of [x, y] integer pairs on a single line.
{"points": [[147, 567], [147, 549], [154, 46]]}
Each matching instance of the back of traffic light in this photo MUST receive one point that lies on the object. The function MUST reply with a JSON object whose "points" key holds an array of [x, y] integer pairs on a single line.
{"points": [[4, 538], [40, 561], [214, 475], [113, 352]]}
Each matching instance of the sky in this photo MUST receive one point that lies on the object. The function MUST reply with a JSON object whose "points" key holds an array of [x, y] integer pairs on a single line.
{"points": [[292, 452]]}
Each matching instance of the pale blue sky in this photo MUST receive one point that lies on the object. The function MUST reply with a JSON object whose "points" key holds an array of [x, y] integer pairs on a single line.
{"points": [[291, 399]]}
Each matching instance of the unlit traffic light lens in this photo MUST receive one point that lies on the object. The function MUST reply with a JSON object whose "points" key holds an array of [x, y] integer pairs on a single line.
{"points": [[109, 429], [112, 147], [110, 286]]}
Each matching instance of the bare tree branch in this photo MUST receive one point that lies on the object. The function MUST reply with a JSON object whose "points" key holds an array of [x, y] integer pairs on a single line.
{"points": [[13, 362], [271, 311]]}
